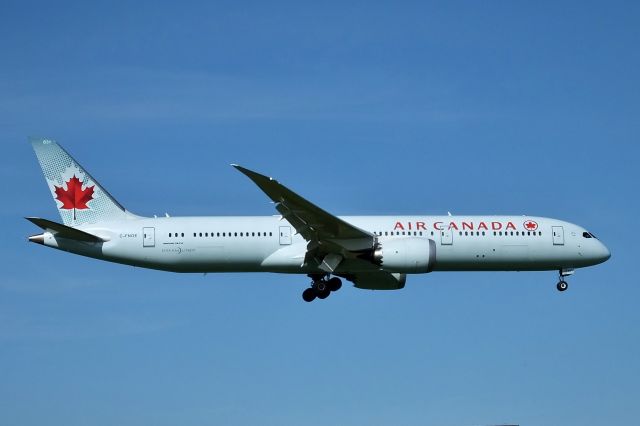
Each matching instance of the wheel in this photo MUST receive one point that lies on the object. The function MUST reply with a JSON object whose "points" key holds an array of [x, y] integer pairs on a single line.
{"points": [[334, 284], [562, 286], [308, 295], [320, 286], [323, 294]]}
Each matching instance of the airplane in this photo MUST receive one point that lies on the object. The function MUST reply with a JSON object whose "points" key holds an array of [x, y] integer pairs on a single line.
{"points": [[371, 252]]}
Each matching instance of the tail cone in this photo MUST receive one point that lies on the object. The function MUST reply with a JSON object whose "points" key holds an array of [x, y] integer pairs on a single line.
{"points": [[37, 238]]}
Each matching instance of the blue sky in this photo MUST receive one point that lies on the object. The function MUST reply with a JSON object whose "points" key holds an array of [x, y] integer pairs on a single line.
{"points": [[385, 108]]}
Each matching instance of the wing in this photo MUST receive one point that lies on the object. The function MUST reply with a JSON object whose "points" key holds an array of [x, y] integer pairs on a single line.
{"points": [[309, 220], [330, 239]]}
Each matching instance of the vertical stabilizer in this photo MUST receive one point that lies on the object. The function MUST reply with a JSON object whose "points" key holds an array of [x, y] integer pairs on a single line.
{"points": [[80, 199]]}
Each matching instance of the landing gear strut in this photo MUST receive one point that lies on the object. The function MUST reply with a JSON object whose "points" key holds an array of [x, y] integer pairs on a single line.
{"points": [[321, 287]]}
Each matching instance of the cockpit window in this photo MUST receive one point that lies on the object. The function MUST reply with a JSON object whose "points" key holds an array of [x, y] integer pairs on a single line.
{"points": [[586, 235]]}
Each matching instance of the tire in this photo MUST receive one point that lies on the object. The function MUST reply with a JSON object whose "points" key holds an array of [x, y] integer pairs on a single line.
{"points": [[308, 295], [562, 286], [334, 284], [323, 294]]}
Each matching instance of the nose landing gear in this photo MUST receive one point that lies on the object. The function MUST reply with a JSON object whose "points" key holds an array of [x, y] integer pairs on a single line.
{"points": [[562, 284], [321, 288]]}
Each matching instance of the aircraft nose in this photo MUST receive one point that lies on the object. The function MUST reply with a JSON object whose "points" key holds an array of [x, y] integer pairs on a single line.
{"points": [[604, 254]]}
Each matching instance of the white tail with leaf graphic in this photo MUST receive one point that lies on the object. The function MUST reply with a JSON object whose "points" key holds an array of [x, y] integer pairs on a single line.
{"points": [[79, 197]]}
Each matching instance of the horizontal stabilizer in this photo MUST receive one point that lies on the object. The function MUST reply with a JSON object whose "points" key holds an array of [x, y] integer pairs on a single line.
{"points": [[64, 231]]}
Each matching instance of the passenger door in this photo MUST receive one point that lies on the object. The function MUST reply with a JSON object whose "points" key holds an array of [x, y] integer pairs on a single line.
{"points": [[558, 235], [148, 237]]}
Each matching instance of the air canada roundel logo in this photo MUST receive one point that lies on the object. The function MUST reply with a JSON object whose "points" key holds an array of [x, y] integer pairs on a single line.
{"points": [[530, 225]]}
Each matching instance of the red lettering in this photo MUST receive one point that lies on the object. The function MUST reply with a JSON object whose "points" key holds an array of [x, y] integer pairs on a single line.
{"points": [[398, 226], [452, 225], [496, 226], [510, 225], [466, 225], [438, 226], [421, 225], [409, 226], [483, 226]]}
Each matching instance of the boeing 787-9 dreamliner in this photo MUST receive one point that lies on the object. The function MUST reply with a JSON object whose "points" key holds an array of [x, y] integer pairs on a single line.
{"points": [[372, 252]]}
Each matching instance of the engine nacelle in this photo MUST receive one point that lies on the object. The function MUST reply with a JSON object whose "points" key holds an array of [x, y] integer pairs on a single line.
{"points": [[405, 255]]}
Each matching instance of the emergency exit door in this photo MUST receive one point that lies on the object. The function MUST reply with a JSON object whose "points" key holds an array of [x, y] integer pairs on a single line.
{"points": [[446, 237], [285, 235]]}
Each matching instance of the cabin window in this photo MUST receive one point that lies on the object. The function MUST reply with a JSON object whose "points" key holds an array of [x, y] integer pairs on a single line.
{"points": [[170, 234], [483, 233], [271, 234]]}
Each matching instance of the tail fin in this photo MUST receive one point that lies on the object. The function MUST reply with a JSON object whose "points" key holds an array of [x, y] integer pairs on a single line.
{"points": [[79, 197]]}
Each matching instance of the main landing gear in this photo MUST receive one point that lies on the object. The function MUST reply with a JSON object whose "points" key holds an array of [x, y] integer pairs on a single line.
{"points": [[321, 287], [562, 284]]}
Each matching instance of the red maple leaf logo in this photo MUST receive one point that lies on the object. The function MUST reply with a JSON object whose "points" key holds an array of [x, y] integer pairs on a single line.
{"points": [[74, 197], [531, 225]]}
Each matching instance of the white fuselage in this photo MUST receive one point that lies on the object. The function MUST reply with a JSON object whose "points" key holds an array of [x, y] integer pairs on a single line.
{"points": [[269, 244]]}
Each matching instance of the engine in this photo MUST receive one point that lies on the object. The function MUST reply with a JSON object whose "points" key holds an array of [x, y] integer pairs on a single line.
{"points": [[406, 255]]}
